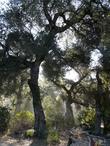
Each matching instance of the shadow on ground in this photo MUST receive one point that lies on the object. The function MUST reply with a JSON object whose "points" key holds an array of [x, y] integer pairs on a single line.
{"points": [[37, 142]]}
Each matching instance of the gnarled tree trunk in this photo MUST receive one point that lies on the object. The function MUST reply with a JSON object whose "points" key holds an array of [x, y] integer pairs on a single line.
{"points": [[40, 123]]}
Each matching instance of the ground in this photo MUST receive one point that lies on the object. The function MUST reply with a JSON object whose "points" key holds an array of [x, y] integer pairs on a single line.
{"points": [[9, 141]]}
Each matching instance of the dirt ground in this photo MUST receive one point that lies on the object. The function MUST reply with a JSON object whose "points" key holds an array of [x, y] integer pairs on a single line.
{"points": [[9, 141]]}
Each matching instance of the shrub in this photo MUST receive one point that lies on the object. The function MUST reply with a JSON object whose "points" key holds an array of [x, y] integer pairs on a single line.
{"points": [[4, 119], [87, 118], [54, 112], [22, 121], [29, 133], [56, 121], [53, 136]]}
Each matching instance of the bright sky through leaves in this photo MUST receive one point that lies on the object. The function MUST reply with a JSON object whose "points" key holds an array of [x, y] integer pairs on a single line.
{"points": [[65, 40], [3, 4]]}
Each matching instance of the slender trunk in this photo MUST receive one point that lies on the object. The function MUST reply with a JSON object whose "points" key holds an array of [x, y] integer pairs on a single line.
{"points": [[18, 104], [98, 104], [105, 125], [98, 119], [106, 111], [40, 123], [19, 97], [69, 113]]}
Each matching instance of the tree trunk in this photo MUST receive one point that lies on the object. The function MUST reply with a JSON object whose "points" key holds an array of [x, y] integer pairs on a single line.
{"points": [[98, 119], [40, 123], [69, 113], [19, 97], [18, 104], [98, 104], [106, 111]]}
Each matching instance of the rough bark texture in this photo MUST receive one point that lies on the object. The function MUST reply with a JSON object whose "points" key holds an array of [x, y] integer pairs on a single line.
{"points": [[40, 123]]}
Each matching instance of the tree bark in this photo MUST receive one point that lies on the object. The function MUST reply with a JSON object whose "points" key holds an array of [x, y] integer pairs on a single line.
{"points": [[98, 104], [98, 119], [19, 97], [69, 112], [40, 123]]}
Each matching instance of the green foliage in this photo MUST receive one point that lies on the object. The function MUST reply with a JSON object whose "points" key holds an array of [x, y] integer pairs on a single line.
{"points": [[53, 136], [22, 121], [53, 111], [76, 55], [106, 117], [53, 66], [4, 119], [87, 117]]}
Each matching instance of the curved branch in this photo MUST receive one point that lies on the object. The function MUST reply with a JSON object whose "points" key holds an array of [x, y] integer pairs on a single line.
{"points": [[61, 86], [69, 23], [78, 82], [45, 8], [81, 103], [3, 46]]}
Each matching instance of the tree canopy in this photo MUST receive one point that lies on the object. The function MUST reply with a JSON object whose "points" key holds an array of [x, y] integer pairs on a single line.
{"points": [[28, 34]]}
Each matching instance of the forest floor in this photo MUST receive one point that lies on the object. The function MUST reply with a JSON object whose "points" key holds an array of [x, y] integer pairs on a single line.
{"points": [[15, 141], [11, 141]]}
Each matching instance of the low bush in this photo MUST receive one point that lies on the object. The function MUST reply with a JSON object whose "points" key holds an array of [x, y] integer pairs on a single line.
{"points": [[29, 133], [54, 113], [22, 121], [4, 119], [87, 118], [57, 121], [53, 136]]}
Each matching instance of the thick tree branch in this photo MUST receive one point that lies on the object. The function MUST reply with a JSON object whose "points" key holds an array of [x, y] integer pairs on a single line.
{"points": [[60, 85], [3, 46], [78, 82], [73, 100], [68, 23], [81, 103]]}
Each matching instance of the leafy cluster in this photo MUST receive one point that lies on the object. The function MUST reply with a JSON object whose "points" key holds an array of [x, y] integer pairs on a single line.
{"points": [[22, 121], [87, 118]]}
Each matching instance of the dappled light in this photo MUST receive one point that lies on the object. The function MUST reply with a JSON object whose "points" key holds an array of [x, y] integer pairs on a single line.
{"points": [[54, 73]]}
